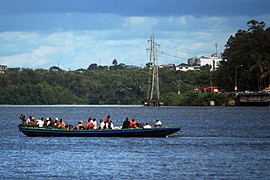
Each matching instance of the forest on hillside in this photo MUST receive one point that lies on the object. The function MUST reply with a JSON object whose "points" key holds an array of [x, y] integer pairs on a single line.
{"points": [[99, 86]]}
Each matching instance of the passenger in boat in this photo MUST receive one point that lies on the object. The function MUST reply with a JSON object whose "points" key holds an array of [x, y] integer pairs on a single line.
{"points": [[107, 119], [40, 122], [147, 126], [28, 120], [94, 123], [22, 117], [50, 123], [102, 124], [62, 123], [89, 124], [56, 123], [80, 125], [126, 124], [46, 122], [158, 123], [110, 125], [32, 122], [66, 127], [133, 124], [70, 127]]}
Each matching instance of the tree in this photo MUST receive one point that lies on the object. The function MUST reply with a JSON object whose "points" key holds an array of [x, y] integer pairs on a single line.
{"points": [[115, 62], [92, 66], [246, 58]]}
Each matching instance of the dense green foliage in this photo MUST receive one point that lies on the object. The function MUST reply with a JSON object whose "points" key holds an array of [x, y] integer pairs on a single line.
{"points": [[99, 86], [247, 59]]}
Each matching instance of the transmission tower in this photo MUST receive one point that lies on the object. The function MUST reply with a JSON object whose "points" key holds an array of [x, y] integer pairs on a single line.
{"points": [[153, 95]]}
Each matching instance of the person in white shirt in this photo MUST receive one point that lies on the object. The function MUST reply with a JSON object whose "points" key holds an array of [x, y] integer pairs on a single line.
{"points": [[158, 123], [102, 124], [40, 122]]}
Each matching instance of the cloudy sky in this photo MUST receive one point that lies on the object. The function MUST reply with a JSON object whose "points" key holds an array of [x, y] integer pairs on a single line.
{"points": [[76, 33]]}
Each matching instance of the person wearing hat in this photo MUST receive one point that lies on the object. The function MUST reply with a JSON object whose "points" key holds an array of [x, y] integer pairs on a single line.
{"points": [[158, 123], [32, 122]]}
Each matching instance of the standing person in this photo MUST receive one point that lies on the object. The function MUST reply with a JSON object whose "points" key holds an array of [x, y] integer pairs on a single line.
{"points": [[106, 120], [133, 124], [125, 124], [22, 117]]}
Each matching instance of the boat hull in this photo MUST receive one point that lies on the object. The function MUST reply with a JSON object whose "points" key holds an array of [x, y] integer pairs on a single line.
{"points": [[152, 132]]}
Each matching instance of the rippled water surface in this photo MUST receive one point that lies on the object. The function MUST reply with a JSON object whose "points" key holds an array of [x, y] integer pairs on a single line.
{"points": [[214, 143]]}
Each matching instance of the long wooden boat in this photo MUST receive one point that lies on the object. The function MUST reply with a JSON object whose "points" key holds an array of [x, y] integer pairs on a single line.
{"points": [[139, 132]]}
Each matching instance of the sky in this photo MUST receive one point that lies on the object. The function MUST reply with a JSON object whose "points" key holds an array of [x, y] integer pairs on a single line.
{"points": [[73, 34]]}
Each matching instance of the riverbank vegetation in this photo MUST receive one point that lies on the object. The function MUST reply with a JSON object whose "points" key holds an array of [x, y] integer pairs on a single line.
{"points": [[99, 86]]}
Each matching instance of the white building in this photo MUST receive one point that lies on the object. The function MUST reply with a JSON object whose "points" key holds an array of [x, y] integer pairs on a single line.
{"points": [[213, 61], [196, 62], [187, 68]]}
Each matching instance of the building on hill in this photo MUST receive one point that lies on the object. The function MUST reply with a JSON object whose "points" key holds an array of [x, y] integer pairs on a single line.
{"points": [[195, 63]]}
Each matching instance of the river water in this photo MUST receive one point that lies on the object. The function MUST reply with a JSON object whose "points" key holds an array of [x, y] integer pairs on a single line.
{"points": [[214, 143]]}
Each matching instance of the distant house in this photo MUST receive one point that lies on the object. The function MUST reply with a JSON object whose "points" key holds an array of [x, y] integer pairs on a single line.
{"points": [[3, 69], [212, 61], [167, 66], [186, 67]]}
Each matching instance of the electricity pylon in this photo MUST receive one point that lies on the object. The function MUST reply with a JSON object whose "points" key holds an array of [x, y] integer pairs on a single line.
{"points": [[153, 95]]}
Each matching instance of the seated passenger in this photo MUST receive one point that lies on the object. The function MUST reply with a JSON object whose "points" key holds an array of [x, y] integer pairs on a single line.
{"points": [[28, 120], [56, 123], [40, 122], [110, 125], [66, 127], [158, 123], [62, 123], [102, 124], [32, 122], [132, 124], [126, 124], [94, 123], [70, 127], [80, 125], [147, 126], [89, 124]]}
